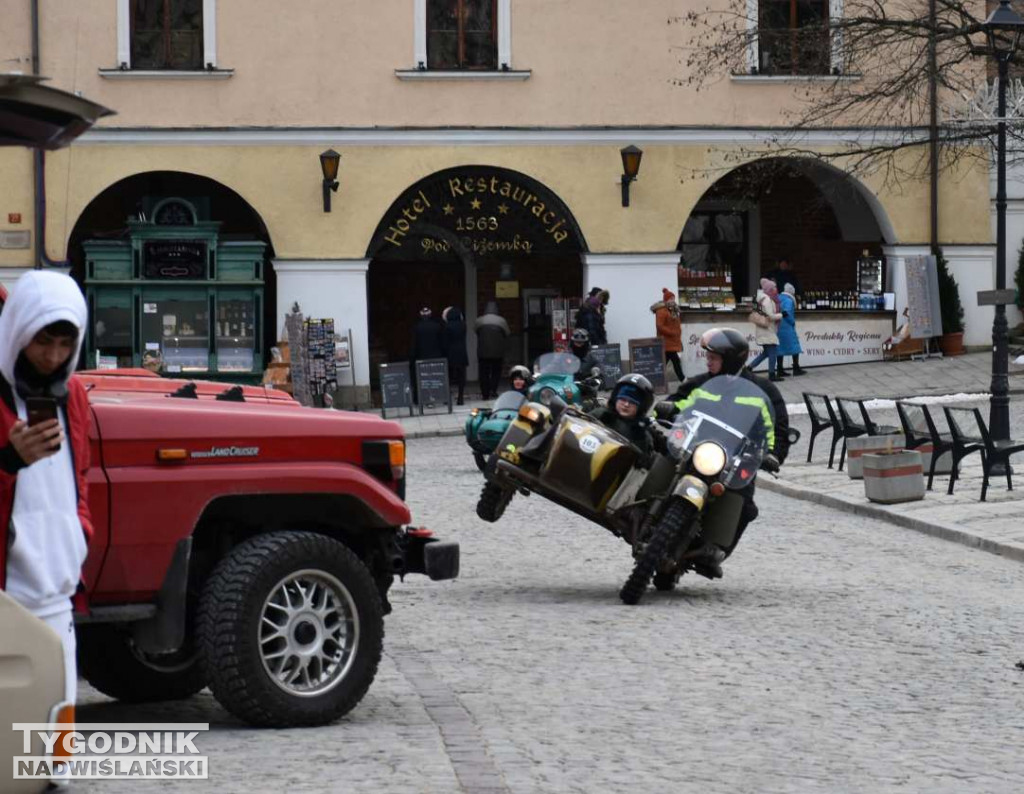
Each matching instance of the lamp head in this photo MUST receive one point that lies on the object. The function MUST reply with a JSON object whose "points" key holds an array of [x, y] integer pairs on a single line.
{"points": [[631, 161], [1004, 27], [329, 164]]}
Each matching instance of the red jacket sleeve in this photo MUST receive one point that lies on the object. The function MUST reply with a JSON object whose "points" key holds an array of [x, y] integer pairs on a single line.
{"points": [[78, 418]]}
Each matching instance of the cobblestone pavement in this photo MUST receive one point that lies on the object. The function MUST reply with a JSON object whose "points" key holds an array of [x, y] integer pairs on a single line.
{"points": [[839, 654]]}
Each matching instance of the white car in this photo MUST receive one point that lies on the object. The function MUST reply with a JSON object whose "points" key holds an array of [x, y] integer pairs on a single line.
{"points": [[31, 687]]}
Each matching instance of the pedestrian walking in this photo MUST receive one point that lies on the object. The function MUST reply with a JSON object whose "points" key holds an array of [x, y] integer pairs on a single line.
{"points": [[789, 339], [590, 316], [455, 348], [491, 332], [45, 524], [765, 317], [670, 329]]}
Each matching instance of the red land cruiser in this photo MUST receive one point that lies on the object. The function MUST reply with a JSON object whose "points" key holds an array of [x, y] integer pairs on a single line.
{"points": [[243, 543]]}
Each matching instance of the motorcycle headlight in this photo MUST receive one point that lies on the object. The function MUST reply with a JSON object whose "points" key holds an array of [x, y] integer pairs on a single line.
{"points": [[546, 396], [709, 459]]}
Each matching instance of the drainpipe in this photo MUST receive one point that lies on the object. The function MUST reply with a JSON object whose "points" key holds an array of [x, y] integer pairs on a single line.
{"points": [[933, 127], [39, 168]]}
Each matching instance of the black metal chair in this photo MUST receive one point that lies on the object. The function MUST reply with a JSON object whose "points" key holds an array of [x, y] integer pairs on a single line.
{"points": [[993, 452], [849, 410], [919, 429], [823, 417]]}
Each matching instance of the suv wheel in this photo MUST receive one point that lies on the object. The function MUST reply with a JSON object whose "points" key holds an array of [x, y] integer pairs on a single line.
{"points": [[110, 662], [290, 629]]}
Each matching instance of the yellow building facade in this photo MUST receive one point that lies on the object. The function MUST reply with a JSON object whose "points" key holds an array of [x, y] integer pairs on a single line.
{"points": [[237, 116]]}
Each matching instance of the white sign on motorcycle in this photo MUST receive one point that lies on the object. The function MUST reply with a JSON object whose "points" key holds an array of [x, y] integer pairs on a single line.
{"points": [[590, 444]]}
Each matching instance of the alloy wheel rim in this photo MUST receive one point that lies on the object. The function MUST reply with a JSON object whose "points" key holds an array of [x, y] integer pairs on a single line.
{"points": [[308, 633]]}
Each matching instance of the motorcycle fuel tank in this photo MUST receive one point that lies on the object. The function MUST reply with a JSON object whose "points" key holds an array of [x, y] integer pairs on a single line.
{"points": [[587, 461]]}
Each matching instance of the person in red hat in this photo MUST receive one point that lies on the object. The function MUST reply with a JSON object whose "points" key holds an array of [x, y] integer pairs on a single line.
{"points": [[670, 328]]}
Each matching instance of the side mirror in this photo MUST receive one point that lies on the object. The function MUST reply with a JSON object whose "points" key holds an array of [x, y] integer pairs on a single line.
{"points": [[793, 435], [595, 372]]}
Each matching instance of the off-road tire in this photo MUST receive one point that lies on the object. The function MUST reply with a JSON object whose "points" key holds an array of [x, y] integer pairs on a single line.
{"points": [[230, 620], [493, 501], [481, 460], [108, 660], [677, 520]]}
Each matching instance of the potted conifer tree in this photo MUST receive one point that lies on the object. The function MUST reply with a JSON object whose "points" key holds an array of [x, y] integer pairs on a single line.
{"points": [[952, 340]]}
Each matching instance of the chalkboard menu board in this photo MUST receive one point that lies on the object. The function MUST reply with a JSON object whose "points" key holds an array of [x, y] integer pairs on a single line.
{"points": [[610, 359], [432, 383], [647, 358], [395, 387]]}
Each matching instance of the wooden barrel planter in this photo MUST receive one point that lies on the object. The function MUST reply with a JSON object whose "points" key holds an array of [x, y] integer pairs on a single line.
{"points": [[894, 478], [857, 448], [952, 344]]}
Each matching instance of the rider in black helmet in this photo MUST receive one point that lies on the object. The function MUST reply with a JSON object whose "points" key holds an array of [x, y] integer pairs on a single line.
{"points": [[520, 379], [626, 412], [726, 350], [579, 344]]}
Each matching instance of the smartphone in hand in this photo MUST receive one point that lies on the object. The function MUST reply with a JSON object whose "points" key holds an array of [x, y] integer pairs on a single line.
{"points": [[41, 409]]}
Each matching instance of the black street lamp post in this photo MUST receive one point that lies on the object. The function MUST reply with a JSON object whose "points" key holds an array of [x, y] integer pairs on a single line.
{"points": [[1003, 28]]}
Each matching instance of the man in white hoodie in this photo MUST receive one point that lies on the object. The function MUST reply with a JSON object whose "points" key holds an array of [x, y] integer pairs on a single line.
{"points": [[44, 512]]}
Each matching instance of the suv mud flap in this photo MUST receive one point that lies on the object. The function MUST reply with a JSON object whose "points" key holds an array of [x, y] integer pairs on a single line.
{"points": [[422, 553]]}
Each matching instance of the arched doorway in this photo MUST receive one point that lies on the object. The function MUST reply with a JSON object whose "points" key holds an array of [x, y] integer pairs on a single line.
{"points": [[176, 270], [817, 217], [463, 237]]}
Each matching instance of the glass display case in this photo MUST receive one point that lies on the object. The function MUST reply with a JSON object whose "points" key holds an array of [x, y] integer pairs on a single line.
{"points": [[176, 299]]}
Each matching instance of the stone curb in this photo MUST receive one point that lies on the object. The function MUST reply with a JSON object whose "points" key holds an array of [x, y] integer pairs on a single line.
{"points": [[935, 529]]}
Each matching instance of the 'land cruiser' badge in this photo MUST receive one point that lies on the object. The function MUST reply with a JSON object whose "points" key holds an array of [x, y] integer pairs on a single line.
{"points": [[226, 452]]}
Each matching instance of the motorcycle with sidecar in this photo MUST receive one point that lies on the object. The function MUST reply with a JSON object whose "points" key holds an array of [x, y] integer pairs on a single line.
{"points": [[671, 508], [555, 374]]}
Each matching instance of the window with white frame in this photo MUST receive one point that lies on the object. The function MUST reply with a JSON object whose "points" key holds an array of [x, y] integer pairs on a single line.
{"points": [[463, 35], [166, 35], [794, 37]]}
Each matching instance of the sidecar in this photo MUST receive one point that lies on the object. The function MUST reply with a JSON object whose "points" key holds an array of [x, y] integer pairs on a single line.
{"points": [[575, 462], [485, 426]]}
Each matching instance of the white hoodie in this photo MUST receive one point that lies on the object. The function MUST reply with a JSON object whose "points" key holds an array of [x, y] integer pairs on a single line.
{"points": [[48, 545]]}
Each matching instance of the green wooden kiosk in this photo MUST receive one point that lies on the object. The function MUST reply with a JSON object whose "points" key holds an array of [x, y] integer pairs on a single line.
{"points": [[176, 298]]}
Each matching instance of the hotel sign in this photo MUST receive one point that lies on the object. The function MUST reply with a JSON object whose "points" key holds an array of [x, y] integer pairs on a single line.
{"points": [[477, 210]]}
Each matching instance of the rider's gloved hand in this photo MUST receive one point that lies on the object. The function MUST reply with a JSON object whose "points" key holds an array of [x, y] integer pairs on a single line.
{"points": [[665, 409], [771, 463]]}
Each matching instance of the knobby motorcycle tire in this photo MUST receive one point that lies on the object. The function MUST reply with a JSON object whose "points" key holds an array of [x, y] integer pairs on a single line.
{"points": [[481, 460], [678, 521], [493, 501]]}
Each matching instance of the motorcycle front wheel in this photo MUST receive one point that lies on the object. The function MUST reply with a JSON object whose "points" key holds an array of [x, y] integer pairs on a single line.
{"points": [[678, 521], [481, 460]]}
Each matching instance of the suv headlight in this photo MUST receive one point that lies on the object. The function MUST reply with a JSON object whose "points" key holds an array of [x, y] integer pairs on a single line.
{"points": [[709, 459]]}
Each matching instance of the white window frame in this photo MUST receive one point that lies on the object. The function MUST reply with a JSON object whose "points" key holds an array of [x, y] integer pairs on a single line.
{"points": [[835, 13], [124, 34], [419, 56]]}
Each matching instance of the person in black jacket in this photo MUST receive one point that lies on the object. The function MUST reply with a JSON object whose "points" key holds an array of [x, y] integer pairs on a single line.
{"points": [[491, 333], [455, 348], [727, 350], [427, 342], [626, 413], [590, 316]]}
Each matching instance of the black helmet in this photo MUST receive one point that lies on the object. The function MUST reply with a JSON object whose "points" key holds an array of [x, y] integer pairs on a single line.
{"points": [[522, 372], [636, 388], [730, 344]]}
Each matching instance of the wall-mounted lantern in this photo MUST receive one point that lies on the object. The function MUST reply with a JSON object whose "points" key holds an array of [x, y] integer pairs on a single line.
{"points": [[329, 161], [630, 168]]}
